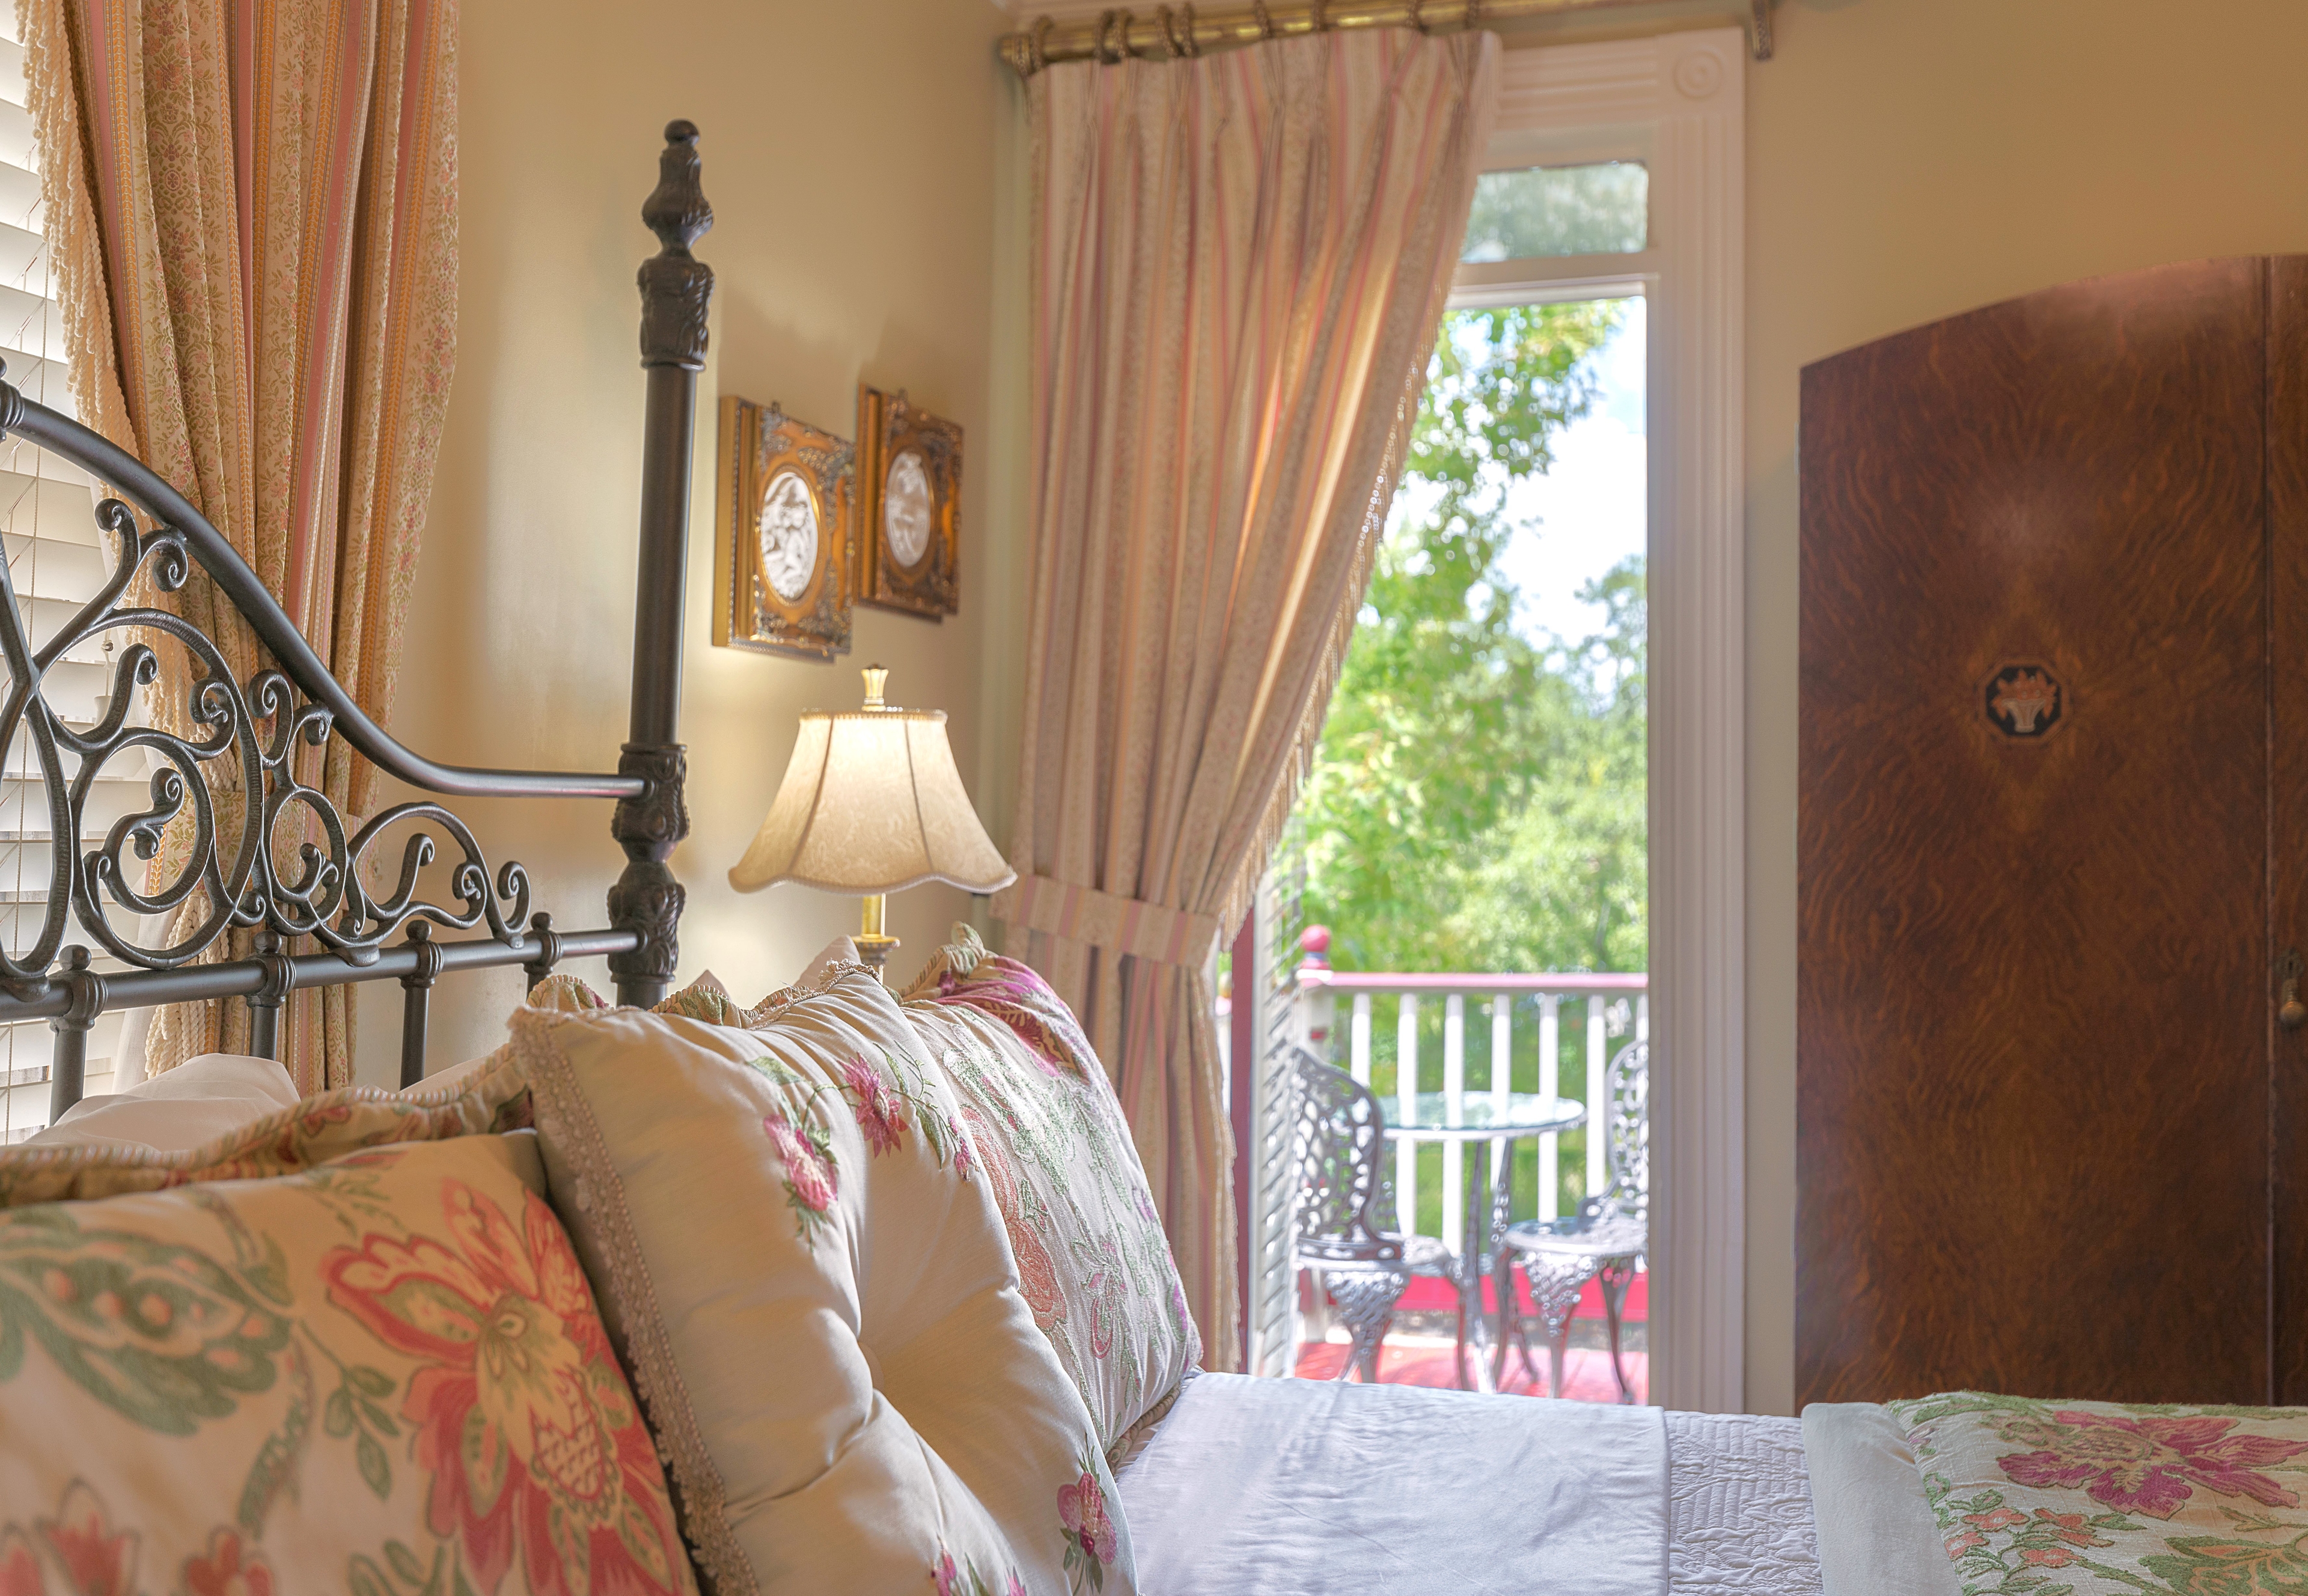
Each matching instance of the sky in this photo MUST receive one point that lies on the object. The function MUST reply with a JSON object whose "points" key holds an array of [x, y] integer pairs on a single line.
{"points": [[1586, 513]]}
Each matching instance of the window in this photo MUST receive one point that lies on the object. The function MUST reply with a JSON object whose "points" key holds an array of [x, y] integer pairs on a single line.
{"points": [[1539, 211], [47, 515]]}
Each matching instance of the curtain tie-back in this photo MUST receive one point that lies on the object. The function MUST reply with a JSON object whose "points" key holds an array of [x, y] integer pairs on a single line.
{"points": [[1122, 924]]}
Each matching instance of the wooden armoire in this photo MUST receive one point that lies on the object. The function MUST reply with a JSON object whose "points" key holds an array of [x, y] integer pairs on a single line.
{"points": [[2053, 848]]}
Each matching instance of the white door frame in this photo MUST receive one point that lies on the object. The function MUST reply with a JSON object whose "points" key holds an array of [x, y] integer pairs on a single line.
{"points": [[1677, 103]]}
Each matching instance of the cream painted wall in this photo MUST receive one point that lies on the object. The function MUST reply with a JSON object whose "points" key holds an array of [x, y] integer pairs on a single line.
{"points": [[849, 154], [1908, 159]]}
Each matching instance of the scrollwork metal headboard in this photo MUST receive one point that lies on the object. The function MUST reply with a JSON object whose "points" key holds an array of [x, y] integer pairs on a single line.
{"points": [[251, 733]]}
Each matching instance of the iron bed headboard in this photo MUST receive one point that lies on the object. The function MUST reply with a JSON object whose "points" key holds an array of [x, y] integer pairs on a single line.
{"points": [[258, 726]]}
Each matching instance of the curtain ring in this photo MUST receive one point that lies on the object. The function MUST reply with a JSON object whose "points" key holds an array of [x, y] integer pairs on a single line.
{"points": [[1038, 43], [1322, 16], [1474, 16], [1193, 45], [1265, 23], [1104, 21], [1170, 50], [1418, 14], [1122, 50]]}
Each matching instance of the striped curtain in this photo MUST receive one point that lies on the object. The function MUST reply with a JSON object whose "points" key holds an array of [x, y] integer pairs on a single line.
{"points": [[253, 207], [1240, 262]]}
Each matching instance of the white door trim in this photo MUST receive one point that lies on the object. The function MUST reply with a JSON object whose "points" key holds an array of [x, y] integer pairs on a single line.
{"points": [[1677, 102]]}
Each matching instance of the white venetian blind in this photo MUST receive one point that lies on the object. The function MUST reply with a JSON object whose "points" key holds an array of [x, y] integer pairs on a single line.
{"points": [[57, 560]]}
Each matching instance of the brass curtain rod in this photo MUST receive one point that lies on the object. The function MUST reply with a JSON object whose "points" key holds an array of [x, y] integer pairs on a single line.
{"points": [[1169, 32]]}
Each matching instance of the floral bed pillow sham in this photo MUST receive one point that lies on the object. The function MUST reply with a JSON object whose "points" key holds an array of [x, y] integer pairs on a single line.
{"points": [[810, 1283], [379, 1374], [1094, 1262], [491, 1097], [2091, 1497]]}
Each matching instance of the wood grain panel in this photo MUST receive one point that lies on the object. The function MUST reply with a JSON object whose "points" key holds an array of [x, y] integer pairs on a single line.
{"points": [[2032, 1042], [2288, 542]]}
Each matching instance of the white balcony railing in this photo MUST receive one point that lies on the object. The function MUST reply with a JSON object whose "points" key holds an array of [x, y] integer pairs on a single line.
{"points": [[1613, 1008]]}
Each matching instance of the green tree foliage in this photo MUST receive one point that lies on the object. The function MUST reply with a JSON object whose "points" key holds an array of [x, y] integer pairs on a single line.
{"points": [[1560, 210], [1477, 798]]}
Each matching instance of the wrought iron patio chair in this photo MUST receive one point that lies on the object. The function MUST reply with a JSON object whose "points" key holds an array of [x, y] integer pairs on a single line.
{"points": [[1606, 1239], [1337, 1146]]}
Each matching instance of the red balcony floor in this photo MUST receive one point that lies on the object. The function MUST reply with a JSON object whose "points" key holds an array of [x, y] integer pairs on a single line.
{"points": [[1423, 1359]]}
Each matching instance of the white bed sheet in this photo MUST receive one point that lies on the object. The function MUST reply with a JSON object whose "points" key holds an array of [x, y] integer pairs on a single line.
{"points": [[1296, 1488]]}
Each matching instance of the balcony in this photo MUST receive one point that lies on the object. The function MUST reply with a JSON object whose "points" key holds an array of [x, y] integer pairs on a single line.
{"points": [[1472, 1036]]}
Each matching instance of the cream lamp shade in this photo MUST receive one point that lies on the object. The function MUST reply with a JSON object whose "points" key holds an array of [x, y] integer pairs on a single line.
{"points": [[871, 804]]}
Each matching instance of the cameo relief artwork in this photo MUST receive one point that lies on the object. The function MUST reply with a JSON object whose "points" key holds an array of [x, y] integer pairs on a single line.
{"points": [[909, 477], [782, 531], [906, 509], [788, 532]]}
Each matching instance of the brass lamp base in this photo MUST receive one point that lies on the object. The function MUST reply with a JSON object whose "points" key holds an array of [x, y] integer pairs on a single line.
{"points": [[872, 947], [875, 952]]}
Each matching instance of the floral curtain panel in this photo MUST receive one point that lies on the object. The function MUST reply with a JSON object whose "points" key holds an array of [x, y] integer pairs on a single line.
{"points": [[1240, 262], [252, 208]]}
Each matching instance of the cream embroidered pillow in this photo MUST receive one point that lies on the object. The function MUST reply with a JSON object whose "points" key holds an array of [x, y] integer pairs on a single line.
{"points": [[382, 1374], [1096, 1267], [810, 1285]]}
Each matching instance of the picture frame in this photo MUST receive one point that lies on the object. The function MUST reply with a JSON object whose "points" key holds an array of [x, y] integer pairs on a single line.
{"points": [[784, 530], [909, 506]]}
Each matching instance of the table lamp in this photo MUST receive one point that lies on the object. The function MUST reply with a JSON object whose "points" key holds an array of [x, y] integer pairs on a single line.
{"points": [[871, 805]]}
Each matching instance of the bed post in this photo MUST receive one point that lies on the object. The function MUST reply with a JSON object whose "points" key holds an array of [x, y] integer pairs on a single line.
{"points": [[676, 289]]}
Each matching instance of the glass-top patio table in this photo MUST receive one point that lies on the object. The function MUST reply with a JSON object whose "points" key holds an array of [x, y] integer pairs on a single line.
{"points": [[1476, 1120]]}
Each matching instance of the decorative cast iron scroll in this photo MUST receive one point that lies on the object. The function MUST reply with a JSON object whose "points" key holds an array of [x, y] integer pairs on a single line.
{"points": [[240, 841], [316, 886]]}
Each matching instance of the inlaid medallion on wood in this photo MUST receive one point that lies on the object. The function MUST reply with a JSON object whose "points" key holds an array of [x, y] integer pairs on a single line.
{"points": [[2034, 1015]]}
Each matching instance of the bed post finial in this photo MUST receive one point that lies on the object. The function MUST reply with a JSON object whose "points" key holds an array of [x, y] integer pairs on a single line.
{"points": [[676, 291], [676, 286]]}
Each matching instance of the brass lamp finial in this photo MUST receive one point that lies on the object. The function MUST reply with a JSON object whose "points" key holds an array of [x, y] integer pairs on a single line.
{"points": [[875, 676]]}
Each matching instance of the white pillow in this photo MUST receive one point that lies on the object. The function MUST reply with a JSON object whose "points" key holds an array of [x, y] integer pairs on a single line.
{"points": [[450, 1075], [198, 1100]]}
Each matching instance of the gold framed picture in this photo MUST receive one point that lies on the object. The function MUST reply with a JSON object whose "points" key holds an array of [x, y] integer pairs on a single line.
{"points": [[909, 506], [782, 532]]}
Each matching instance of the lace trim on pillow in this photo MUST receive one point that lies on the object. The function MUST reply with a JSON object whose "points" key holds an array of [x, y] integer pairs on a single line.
{"points": [[564, 1116], [785, 997]]}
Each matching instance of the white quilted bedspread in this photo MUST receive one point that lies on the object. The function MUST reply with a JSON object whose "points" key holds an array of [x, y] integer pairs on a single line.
{"points": [[1292, 1488], [1296, 1487], [1738, 1507]]}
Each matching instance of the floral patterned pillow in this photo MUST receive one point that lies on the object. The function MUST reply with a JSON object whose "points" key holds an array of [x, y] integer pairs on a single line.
{"points": [[2095, 1498], [809, 1281], [488, 1097], [1095, 1264], [382, 1374]]}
